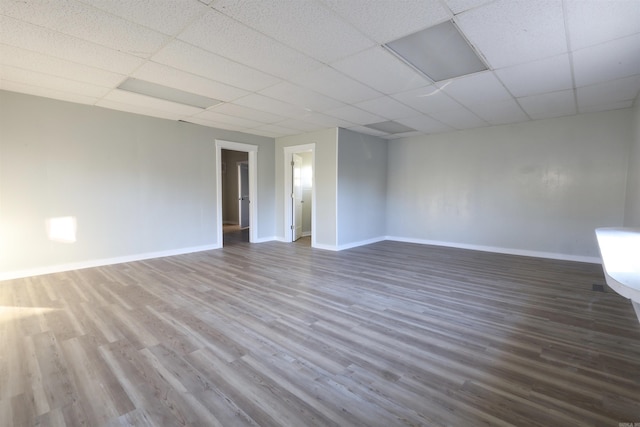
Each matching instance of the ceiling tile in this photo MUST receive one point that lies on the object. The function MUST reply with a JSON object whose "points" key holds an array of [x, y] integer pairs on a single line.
{"points": [[53, 43], [275, 129], [166, 16], [499, 112], [326, 121], [610, 92], [37, 79], [226, 37], [386, 107], [88, 23], [336, 85], [309, 28], [248, 113], [46, 92], [169, 76], [274, 106], [388, 20], [143, 101], [138, 109], [305, 98], [381, 71], [299, 125], [475, 88], [591, 22], [549, 105], [35, 61], [460, 118], [402, 135], [458, 6], [213, 124], [510, 32], [606, 107], [216, 117], [533, 78], [425, 124], [197, 61], [355, 115], [427, 99], [607, 61]]}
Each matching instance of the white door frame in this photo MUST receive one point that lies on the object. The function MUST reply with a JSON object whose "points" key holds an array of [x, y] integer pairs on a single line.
{"points": [[240, 195], [288, 185], [252, 151]]}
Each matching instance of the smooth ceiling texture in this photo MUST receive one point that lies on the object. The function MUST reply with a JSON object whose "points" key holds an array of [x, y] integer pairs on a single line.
{"points": [[283, 67]]}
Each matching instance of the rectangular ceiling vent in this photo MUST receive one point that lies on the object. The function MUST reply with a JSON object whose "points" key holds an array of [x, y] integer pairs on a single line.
{"points": [[390, 127], [440, 52], [167, 93]]}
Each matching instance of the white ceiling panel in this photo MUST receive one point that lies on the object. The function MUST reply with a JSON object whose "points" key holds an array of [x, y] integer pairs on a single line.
{"points": [[510, 32], [427, 99], [336, 85], [606, 107], [326, 121], [35, 61], [37, 79], [381, 71], [387, 107], [270, 105], [299, 125], [166, 16], [475, 88], [277, 130], [355, 115], [607, 61], [425, 124], [533, 78], [549, 105], [216, 117], [388, 20], [137, 109], [83, 21], [248, 113], [169, 76], [53, 43], [459, 119], [300, 96], [197, 61], [368, 131], [215, 124], [592, 22], [609, 92], [499, 112], [226, 37], [46, 92], [458, 6], [305, 25]]}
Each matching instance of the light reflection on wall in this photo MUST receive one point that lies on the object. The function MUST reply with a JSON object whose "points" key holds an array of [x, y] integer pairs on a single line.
{"points": [[62, 229]]}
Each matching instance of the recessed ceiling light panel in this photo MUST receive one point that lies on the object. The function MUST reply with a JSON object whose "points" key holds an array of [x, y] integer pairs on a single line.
{"points": [[390, 127], [440, 52], [167, 93]]}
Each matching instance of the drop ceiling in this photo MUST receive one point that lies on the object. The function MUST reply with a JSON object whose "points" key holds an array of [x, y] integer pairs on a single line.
{"points": [[283, 67]]}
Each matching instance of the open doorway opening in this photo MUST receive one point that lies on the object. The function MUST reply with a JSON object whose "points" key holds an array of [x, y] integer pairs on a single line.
{"points": [[237, 191], [300, 208], [235, 196]]}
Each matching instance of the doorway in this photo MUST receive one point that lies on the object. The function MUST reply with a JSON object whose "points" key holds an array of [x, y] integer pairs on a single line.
{"points": [[236, 171], [299, 190]]}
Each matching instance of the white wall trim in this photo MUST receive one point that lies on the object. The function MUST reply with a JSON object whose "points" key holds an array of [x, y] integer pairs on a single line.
{"points": [[500, 250], [361, 243], [102, 262], [268, 239]]}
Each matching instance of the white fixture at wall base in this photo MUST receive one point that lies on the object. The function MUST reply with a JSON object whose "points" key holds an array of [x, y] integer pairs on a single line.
{"points": [[620, 250]]}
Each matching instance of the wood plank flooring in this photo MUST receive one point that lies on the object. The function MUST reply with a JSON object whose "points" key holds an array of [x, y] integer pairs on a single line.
{"points": [[275, 334]]}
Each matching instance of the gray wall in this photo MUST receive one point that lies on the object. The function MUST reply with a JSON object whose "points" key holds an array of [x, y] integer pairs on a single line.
{"points": [[632, 209], [325, 184], [136, 185], [540, 186], [362, 188]]}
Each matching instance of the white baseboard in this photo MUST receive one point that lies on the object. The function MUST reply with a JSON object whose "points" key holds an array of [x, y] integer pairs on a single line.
{"points": [[500, 250], [17, 274], [268, 239], [361, 243]]}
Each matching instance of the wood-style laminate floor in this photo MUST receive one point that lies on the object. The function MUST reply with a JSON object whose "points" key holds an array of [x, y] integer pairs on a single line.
{"points": [[275, 334]]}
